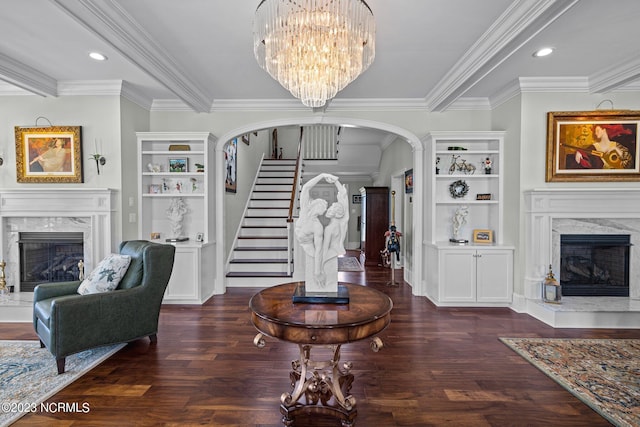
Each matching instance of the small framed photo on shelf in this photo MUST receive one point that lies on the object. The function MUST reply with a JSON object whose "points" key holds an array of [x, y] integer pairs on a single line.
{"points": [[482, 236], [179, 164], [483, 196], [199, 237], [155, 189], [154, 236]]}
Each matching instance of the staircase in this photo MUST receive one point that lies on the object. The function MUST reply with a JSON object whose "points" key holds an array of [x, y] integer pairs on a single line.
{"points": [[259, 257]]}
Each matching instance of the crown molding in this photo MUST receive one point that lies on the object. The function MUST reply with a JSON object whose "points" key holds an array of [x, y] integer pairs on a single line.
{"points": [[470, 103], [27, 78], [631, 87], [110, 22], [105, 88], [221, 105], [7, 89], [554, 84], [136, 96], [503, 95], [517, 25], [169, 105], [89, 87], [615, 76], [377, 104], [370, 104]]}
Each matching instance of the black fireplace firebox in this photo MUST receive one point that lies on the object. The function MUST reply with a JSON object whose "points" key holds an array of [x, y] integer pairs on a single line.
{"points": [[594, 264], [49, 257]]}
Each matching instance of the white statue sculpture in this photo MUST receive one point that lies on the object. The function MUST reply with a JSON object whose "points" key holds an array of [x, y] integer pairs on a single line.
{"points": [[322, 245], [175, 212], [459, 219]]}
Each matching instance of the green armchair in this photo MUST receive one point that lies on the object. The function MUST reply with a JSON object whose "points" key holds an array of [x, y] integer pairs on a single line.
{"points": [[68, 323]]}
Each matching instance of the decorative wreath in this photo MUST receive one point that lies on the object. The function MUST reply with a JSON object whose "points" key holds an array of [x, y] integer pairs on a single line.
{"points": [[458, 189]]}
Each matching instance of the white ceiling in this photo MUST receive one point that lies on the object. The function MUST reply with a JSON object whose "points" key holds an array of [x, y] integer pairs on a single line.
{"points": [[432, 54]]}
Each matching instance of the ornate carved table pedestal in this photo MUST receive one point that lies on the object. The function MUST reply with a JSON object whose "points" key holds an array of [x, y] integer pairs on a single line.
{"points": [[320, 386]]}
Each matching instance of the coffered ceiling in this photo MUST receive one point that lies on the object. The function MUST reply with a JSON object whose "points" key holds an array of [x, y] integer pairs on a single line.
{"points": [[432, 54]]}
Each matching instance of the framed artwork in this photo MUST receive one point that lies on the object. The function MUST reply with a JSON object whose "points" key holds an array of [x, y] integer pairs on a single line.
{"points": [[408, 181], [230, 163], [356, 199], [482, 236], [51, 154], [179, 164], [593, 146]]}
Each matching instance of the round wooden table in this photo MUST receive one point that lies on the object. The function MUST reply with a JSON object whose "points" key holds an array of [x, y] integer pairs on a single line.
{"points": [[320, 387]]}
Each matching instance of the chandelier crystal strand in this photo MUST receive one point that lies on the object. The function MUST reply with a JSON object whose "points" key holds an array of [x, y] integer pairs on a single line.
{"points": [[314, 48]]}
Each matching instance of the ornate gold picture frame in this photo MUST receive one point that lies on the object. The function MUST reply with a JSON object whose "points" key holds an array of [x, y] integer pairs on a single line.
{"points": [[593, 146], [50, 154]]}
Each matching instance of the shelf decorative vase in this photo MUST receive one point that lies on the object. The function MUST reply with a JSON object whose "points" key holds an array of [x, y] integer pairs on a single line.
{"points": [[551, 289]]}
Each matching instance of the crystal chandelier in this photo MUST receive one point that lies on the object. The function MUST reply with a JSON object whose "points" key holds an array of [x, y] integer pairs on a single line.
{"points": [[314, 48]]}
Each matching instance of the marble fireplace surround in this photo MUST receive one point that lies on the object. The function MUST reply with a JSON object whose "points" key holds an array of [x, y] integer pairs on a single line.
{"points": [[55, 210], [552, 212]]}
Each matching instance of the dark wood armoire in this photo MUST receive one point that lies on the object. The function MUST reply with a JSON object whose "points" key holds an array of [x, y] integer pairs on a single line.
{"points": [[374, 222]]}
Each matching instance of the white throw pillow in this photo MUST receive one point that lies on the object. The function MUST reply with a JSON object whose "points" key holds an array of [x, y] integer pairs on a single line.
{"points": [[106, 276]]}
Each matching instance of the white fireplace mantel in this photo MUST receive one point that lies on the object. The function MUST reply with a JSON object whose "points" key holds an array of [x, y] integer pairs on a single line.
{"points": [[56, 209], [606, 207]]}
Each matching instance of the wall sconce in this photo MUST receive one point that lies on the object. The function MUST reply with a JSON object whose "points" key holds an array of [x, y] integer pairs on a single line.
{"points": [[99, 158], [100, 161]]}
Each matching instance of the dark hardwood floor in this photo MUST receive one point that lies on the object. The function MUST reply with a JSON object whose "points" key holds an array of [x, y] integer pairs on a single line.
{"points": [[439, 367]]}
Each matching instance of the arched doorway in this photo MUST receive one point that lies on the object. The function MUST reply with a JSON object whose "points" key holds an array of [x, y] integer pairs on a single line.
{"points": [[415, 260]]}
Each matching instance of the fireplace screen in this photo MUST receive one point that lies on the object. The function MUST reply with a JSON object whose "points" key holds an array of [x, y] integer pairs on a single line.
{"points": [[49, 257], [594, 265]]}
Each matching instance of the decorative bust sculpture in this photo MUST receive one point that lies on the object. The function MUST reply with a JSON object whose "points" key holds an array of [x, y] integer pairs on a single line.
{"points": [[322, 245]]}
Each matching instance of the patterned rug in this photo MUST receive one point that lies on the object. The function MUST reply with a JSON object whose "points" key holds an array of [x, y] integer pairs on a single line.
{"points": [[29, 376], [603, 373], [349, 263]]}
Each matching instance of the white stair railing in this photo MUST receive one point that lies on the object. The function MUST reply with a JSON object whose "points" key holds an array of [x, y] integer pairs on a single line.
{"points": [[321, 142]]}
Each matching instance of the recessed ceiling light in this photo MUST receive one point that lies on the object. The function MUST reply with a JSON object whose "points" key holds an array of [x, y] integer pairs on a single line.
{"points": [[543, 52], [97, 56]]}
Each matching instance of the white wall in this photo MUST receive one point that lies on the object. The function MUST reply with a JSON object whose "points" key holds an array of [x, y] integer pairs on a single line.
{"points": [[248, 162], [533, 145], [508, 117], [100, 119], [133, 119]]}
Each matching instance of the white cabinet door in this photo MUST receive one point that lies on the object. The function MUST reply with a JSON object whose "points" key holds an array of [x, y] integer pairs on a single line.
{"points": [[184, 284], [494, 274], [458, 276]]}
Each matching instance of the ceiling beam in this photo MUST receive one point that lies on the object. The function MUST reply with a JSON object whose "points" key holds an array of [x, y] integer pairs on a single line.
{"points": [[615, 76], [27, 78], [517, 25], [109, 21]]}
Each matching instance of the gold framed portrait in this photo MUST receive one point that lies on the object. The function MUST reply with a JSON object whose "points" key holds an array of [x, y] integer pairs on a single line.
{"points": [[50, 154], [593, 146]]}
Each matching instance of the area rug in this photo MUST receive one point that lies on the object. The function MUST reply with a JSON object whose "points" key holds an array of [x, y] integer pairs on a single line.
{"points": [[603, 373], [349, 263], [28, 374]]}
